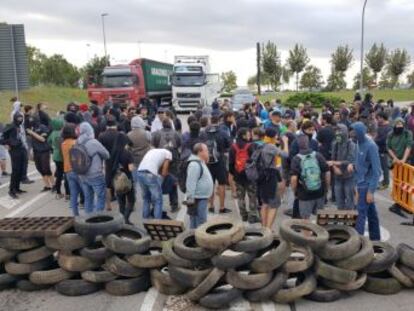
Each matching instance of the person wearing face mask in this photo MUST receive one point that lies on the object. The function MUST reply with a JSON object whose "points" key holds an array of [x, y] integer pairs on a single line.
{"points": [[367, 174], [13, 139], [383, 130], [342, 165], [399, 143]]}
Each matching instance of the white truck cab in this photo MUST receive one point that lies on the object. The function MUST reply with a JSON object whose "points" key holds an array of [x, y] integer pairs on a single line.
{"points": [[193, 85]]}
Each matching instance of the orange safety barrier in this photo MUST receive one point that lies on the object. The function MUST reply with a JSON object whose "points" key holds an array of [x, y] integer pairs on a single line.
{"points": [[403, 186]]}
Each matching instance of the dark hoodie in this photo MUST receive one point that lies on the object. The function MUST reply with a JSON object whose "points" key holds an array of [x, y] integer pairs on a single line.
{"points": [[12, 135], [55, 140], [368, 166], [343, 150]]}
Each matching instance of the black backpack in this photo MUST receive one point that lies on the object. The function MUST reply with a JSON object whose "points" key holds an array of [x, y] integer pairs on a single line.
{"points": [[80, 159]]}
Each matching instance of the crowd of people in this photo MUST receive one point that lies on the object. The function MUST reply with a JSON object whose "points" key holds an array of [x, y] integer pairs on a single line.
{"points": [[265, 154]]}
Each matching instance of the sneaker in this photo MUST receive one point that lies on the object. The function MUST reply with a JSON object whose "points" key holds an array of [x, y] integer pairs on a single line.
{"points": [[59, 196], [27, 182], [5, 174], [224, 211], [45, 189], [20, 191], [13, 195]]}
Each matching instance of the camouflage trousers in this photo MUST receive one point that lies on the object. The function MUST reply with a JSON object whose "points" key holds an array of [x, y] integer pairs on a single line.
{"points": [[252, 214]]}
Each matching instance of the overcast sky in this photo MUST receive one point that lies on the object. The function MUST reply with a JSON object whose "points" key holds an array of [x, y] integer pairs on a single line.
{"points": [[227, 30]]}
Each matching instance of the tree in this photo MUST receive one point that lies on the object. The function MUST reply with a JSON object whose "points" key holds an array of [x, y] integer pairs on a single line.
{"points": [[92, 71], [336, 81], [311, 78], [35, 60], [341, 60], [251, 81], [367, 80], [385, 80], [229, 79], [271, 64], [376, 58], [410, 79], [286, 74], [297, 61], [397, 63]]}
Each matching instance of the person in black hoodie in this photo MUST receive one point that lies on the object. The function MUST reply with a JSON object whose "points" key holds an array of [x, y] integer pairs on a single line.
{"points": [[12, 138], [239, 153]]}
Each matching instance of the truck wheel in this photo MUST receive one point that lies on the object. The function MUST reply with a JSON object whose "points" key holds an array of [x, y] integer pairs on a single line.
{"points": [[71, 241], [6, 255], [305, 286], [16, 268], [357, 284], [19, 244], [231, 260], [76, 263], [175, 260], [152, 259], [96, 252], [98, 276], [162, 280], [321, 294], [400, 276], [27, 286], [7, 281], [382, 284], [406, 254]]}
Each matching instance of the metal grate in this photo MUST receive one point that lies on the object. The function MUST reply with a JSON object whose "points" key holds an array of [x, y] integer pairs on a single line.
{"points": [[28, 227], [163, 230], [336, 217]]}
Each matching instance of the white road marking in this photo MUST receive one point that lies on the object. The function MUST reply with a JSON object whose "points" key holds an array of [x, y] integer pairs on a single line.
{"points": [[268, 306], [240, 305], [181, 213], [8, 183], [27, 204], [149, 299], [8, 202]]}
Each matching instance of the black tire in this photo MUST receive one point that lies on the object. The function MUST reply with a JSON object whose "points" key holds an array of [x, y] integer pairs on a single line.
{"points": [[124, 287], [231, 260], [27, 286], [288, 231], [300, 259], [102, 223], [76, 288], [335, 274], [248, 281], [185, 246], [272, 257], [19, 244], [6, 254], [401, 277], [382, 284], [128, 240], [162, 280], [35, 254], [206, 285], [406, 254], [304, 288], [96, 252], [70, 241], [321, 294], [264, 293], [52, 242], [220, 298], [187, 277], [50, 277], [7, 281], [173, 259], [230, 233], [406, 271], [98, 276], [121, 267], [254, 240], [343, 242], [152, 259], [385, 256], [75, 263], [361, 259], [15, 268], [352, 286]]}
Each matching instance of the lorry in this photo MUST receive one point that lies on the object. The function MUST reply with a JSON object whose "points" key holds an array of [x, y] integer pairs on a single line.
{"points": [[141, 79], [193, 85]]}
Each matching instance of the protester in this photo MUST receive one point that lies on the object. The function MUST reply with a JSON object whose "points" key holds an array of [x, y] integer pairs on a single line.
{"points": [[382, 132], [140, 139], [199, 185], [55, 140]]}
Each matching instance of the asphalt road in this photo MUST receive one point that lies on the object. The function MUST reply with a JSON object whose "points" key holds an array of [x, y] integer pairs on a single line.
{"points": [[35, 203]]}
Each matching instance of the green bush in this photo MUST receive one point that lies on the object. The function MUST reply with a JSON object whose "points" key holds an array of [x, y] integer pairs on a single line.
{"points": [[317, 99]]}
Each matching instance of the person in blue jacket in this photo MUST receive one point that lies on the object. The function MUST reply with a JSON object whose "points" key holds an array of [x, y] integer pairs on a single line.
{"points": [[367, 175]]}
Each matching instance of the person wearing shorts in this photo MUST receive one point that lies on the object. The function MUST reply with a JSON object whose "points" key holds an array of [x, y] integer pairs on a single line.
{"points": [[309, 201]]}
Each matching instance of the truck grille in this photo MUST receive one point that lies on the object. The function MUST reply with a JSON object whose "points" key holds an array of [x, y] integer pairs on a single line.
{"points": [[191, 104], [188, 95]]}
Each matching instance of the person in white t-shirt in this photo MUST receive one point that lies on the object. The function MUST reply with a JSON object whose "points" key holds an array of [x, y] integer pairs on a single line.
{"points": [[151, 171]]}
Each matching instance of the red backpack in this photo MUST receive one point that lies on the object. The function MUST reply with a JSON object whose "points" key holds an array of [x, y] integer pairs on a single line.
{"points": [[241, 157]]}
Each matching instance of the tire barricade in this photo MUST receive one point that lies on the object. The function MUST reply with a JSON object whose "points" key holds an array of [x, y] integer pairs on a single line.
{"points": [[212, 266]]}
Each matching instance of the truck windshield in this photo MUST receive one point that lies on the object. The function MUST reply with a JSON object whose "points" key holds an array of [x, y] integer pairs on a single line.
{"points": [[188, 80], [117, 81]]}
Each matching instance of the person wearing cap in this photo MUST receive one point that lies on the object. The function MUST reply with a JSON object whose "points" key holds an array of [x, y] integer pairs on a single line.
{"points": [[367, 175], [274, 121]]}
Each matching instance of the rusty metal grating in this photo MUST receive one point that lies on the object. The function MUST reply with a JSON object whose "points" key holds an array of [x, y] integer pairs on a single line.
{"points": [[27, 227], [163, 230], [333, 216]]}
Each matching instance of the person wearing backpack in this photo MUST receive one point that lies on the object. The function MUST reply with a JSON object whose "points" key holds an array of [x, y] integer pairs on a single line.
{"points": [[239, 155], [218, 143], [310, 178], [199, 185], [91, 153], [55, 140], [342, 165], [167, 138]]}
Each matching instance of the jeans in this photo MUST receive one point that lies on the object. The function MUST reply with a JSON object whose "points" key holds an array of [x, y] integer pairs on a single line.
{"points": [[385, 168], [344, 193], [94, 187], [151, 191], [200, 216], [369, 211], [75, 190]]}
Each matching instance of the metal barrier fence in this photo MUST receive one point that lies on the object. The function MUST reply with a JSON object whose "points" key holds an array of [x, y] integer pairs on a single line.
{"points": [[403, 186]]}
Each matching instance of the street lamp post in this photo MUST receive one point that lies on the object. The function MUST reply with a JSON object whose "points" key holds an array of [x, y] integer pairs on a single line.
{"points": [[361, 78], [103, 31]]}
